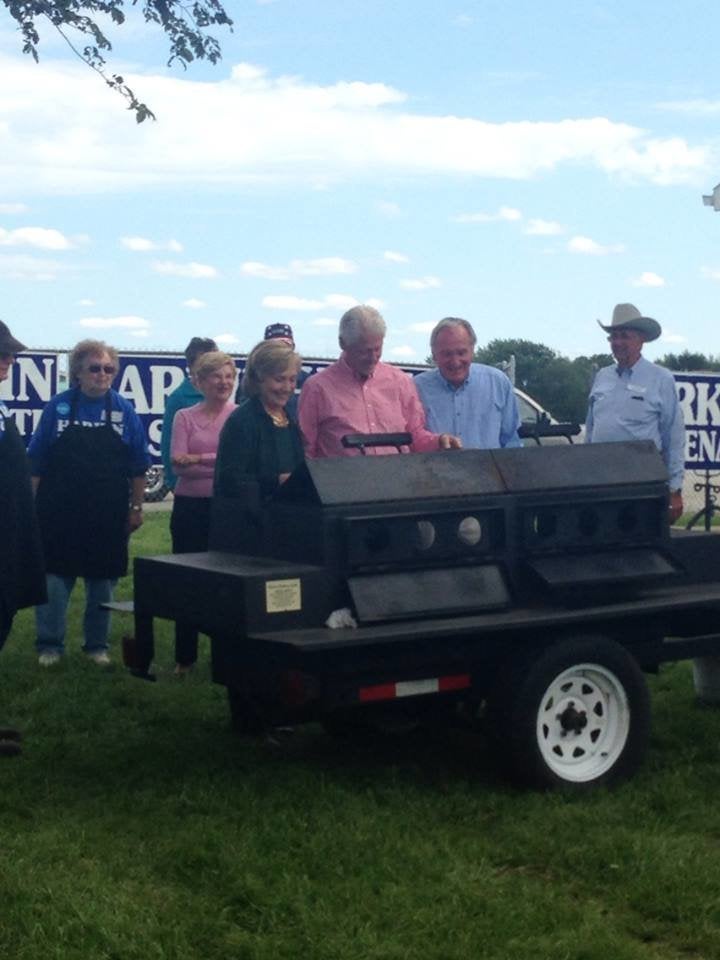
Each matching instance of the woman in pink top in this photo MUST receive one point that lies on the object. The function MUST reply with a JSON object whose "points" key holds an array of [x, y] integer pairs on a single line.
{"points": [[193, 451]]}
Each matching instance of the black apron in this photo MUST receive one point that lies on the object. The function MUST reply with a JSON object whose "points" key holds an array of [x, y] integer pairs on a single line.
{"points": [[22, 574], [83, 499]]}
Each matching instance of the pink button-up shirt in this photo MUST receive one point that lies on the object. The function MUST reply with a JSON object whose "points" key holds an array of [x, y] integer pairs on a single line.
{"points": [[335, 401]]}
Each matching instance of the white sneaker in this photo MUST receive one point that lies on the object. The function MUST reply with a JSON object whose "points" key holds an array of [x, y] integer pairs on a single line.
{"points": [[48, 659], [100, 658]]}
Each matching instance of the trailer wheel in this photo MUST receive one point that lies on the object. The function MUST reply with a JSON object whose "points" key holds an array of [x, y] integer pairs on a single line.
{"points": [[575, 716]]}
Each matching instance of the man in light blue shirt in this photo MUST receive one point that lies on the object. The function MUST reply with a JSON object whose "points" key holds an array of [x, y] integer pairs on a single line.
{"points": [[636, 399], [468, 400]]}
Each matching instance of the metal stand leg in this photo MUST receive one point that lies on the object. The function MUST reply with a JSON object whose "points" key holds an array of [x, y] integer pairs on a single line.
{"points": [[143, 652], [710, 506]]}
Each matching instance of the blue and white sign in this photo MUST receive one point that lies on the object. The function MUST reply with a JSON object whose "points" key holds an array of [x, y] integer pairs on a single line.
{"points": [[699, 395], [34, 378]]}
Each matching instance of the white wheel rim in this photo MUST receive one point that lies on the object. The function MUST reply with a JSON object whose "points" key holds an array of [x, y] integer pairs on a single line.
{"points": [[583, 722]]}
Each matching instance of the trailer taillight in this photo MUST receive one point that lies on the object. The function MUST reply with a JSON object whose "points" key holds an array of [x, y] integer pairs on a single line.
{"points": [[414, 688]]}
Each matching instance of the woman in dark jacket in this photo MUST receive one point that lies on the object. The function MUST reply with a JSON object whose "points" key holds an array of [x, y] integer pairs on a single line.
{"points": [[260, 444]]}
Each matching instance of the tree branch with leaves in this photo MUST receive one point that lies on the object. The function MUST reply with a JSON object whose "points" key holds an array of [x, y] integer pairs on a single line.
{"points": [[185, 25]]}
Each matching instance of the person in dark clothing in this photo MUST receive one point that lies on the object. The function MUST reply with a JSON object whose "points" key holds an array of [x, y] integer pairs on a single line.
{"points": [[22, 576], [260, 441], [260, 446], [281, 333]]}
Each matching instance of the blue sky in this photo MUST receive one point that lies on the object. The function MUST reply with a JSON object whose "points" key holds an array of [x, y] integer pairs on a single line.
{"points": [[523, 165]]}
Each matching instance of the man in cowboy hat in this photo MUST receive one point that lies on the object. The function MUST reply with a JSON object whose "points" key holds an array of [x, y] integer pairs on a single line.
{"points": [[636, 399], [22, 578]]}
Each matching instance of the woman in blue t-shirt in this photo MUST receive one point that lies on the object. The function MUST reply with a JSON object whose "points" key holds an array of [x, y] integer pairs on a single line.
{"points": [[88, 461]]}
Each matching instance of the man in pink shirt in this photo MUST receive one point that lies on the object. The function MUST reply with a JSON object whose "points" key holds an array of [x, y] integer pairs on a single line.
{"points": [[360, 394]]}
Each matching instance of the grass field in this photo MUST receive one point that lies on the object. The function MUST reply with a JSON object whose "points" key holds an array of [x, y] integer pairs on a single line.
{"points": [[135, 826]]}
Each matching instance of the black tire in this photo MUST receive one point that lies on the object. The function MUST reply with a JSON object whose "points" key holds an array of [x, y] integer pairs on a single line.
{"points": [[575, 715], [155, 487]]}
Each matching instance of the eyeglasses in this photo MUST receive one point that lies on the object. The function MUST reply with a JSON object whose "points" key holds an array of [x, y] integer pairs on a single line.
{"points": [[98, 367]]}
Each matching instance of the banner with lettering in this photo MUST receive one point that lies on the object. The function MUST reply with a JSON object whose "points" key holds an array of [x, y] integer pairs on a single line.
{"points": [[699, 395], [147, 379], [34, 378]]}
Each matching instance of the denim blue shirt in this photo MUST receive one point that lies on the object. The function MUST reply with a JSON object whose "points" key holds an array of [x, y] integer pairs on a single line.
{"points": [[639, 403], [482, 411]]}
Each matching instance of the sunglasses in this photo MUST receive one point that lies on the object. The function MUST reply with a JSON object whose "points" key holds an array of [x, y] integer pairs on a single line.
{"points": [[100, 367]]}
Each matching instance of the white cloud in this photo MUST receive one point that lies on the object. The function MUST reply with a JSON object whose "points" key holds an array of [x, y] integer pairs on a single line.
{"points": [[139, 333], [108, 323], [504, 213], [29, 268], [325, 322], [699, 107], [13, 208], [194, 304], [543, 228], [338, 301], [677, 338], [395, 257], [283, 302], [421, 283], [143, 244], [648, 279], [402, 351], [86, 302], [43, 238], [253, 268], [389, 209], [426, 326], [710, 273], [320, 267], [301, 131], [196, 271], [343, 301], [226, 339], [591, 247]]}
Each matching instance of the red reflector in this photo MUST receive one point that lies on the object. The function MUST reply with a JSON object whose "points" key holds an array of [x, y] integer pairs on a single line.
{"points": [[383, 691], [458, 682], [408, 688]]}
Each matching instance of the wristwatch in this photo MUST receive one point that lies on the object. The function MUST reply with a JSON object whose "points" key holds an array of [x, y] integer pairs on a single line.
{"points": [[137, 507]]}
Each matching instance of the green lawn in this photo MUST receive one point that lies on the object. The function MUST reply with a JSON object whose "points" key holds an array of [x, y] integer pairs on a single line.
{"points": [[135, 825]]}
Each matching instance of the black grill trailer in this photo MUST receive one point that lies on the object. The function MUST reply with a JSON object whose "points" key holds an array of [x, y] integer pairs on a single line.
{"points": [[537, 585]]}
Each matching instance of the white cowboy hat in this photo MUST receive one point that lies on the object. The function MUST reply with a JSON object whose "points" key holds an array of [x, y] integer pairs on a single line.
{"points": [[626, 316]]}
